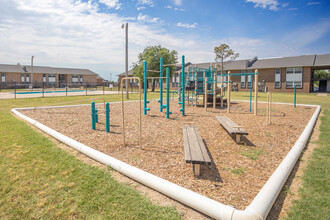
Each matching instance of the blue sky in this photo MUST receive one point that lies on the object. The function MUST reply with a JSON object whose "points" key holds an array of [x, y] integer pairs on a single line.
{"points": [[87, 34]]}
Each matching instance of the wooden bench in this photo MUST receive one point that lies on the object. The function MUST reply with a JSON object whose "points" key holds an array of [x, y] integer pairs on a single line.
{"points": [[195, 149], [232, 128]]}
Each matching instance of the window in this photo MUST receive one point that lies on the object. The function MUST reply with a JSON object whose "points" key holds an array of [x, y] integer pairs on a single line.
{"points": [[277, 84], [3, 77], [249, 81], [28, 77], [22, 78], [242, 81], [75, 78], [81, 79], [51, 78], [293, 77], [44, 78]]}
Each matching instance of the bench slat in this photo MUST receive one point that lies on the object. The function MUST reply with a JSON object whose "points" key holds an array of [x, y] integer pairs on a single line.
{"points": [[186, 144], [195, 149], [204, 152], [228, 125]]}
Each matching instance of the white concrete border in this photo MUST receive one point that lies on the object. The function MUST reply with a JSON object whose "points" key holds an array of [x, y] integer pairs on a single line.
{"points": [[259, 207]]}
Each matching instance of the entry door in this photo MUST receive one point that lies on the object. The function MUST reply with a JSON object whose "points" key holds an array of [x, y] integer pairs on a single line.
{"points": [[323, 86]]}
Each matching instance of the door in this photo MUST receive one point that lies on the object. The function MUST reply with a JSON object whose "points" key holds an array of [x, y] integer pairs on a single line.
{"points": [[323, 86]]}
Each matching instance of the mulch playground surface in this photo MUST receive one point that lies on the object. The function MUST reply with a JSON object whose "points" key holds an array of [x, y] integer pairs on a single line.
{"points": [[237, 172]]}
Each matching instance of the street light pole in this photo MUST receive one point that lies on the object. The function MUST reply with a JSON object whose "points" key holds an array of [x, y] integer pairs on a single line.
{"points": [[126, 56], [32, 72]]}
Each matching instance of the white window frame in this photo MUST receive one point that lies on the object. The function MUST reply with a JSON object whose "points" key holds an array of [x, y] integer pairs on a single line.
{"points": [[44, 78], [27, 78], [249, 81], [81, 78], [22, 78], [294, 76], [242, 84], [3, 77], [277, 72], [51, 78], [74, 78]]}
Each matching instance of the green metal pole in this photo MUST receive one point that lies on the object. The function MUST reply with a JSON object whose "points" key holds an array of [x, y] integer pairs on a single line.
{"points": [[107, 117], [93, 115], [250, 92], [168, 93], [161, 85], [145, 89], [96, 116], [295, 95], [183, 88]]}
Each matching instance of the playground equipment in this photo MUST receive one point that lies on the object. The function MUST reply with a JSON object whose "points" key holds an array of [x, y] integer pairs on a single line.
{"points": [[269, 107], [255, 89], [122, 105], [95, 116], [162, 106], [207, 82], [295, 96], [181, 92]]}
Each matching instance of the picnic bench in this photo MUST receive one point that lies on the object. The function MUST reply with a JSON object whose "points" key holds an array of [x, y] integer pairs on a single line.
{"points": [[195, 149], [232, 128]]}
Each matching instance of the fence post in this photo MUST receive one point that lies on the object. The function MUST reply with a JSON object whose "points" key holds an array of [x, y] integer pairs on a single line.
{"points": [[66, 89], [103, 88], [15, 89]]}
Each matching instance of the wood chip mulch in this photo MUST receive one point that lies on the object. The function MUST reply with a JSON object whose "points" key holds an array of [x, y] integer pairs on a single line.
{"points": [[238, 171]]}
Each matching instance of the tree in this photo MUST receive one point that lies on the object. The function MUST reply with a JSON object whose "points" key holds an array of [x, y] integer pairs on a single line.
{"points": [[222, 53], [152, 55], [321, 74]]}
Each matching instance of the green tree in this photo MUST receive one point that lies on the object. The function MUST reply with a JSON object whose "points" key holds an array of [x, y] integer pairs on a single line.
{"points": [[321, 74], [152, 55], [223, 53]]}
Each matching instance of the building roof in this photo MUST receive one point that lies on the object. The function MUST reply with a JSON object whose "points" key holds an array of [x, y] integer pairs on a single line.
{"points": [[59, 70], [294, 61], [130, 73], [305, 60], [43, 69], [322, 60], [11, 68]]}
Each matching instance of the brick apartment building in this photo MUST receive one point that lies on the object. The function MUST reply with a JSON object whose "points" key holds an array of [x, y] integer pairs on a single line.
{"points": [[43, 76], [275, 74]]}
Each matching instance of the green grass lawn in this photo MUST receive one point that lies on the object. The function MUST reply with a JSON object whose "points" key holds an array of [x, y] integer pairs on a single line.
{"points": [[40, 180]]}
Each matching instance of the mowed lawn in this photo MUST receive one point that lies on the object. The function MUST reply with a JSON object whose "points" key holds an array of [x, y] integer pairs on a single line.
{"points": [[40, 180]]}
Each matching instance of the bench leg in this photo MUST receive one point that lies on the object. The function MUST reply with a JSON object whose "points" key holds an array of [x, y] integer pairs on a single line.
{"points": [[238, 138], [197, 169]]}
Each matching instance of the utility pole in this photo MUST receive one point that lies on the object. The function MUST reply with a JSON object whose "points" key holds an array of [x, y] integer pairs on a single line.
{"points": [[31, 84], [126, 56]]}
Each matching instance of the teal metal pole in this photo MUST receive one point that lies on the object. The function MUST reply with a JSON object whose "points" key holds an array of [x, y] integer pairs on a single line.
{"points": [[107, 117], [161, 85], [93, 115], [145, 89], [168, 93], [295, 95], [96, 115], [183, 88], [250, 92]]}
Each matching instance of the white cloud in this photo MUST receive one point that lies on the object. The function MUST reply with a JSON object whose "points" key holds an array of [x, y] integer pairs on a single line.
{"points": [[292, 9], [147, 18], [313, 3], [270, 4], [146, 2], [169, 7], [194, 25], [111, 3], [179, 9], [140, 8], [177, 2]]}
